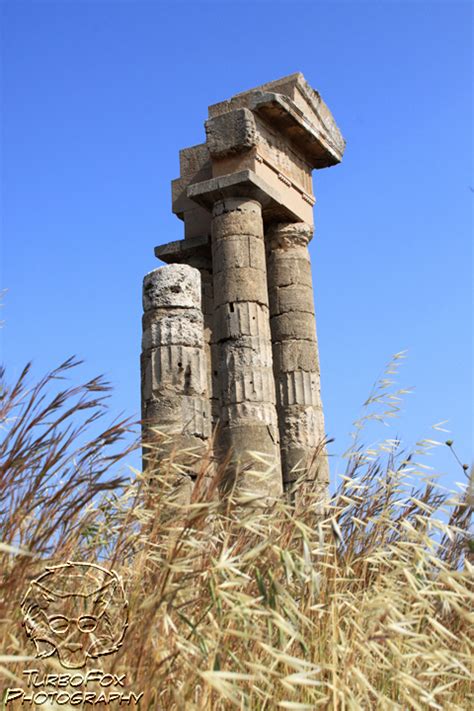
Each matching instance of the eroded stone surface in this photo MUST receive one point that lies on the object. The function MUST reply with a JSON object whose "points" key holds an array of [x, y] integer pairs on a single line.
{"points": [[232, 132], [240, 285], [240, 319], [234, 216], [293, 324], [189, 415], [245, 251], [295, 355], [295, 297], [174, 286], [163, 327]]}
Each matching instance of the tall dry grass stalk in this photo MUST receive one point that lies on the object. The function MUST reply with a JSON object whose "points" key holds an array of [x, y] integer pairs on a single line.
{"points": [[50, 472], [365, 605]]}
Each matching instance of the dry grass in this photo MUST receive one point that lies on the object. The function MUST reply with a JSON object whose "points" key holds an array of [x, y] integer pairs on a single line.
{"points": [[365, 605]]}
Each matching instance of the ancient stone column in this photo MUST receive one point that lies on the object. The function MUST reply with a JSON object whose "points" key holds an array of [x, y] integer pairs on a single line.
{"points": [[255, 167], [295, 355], [244, 367], [173, 365]]}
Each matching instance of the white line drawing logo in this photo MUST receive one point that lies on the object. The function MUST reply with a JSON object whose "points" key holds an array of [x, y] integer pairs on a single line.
{"points": [[77, 611]]}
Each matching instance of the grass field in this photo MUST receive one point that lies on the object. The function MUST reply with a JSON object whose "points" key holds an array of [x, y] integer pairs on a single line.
{"points": [[365, 604]]}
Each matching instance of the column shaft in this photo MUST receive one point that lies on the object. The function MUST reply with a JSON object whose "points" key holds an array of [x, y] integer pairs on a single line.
{"points": [[244, 356], [295, 354]]}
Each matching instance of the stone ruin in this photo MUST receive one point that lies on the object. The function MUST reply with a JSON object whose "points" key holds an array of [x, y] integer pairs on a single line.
{"points": [[229, 353]]}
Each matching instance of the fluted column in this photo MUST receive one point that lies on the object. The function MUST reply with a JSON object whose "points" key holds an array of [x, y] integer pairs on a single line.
{"points": [[295, 354], [244, 353], [173, 364]]}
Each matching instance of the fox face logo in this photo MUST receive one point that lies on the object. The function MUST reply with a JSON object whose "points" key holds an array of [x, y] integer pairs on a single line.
{"points": [[77, 611]]}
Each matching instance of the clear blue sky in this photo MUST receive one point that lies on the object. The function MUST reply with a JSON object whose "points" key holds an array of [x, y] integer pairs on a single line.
{"points": [[97, 100]]}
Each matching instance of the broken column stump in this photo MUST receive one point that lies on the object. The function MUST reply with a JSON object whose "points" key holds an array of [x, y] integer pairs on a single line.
{"points": [[175, 402], [246, 199]]}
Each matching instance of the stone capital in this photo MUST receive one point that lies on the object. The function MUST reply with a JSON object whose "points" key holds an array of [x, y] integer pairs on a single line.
{"points": [[289, 234]]}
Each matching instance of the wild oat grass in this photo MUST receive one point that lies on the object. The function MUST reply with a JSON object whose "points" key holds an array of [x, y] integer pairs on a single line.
{"points": [[366, 604]]}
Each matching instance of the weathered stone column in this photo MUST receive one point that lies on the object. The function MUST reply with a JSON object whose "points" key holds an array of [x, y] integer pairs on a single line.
{"points": [[255, 167], [173, 364], [245, 368], [295, 354]]}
